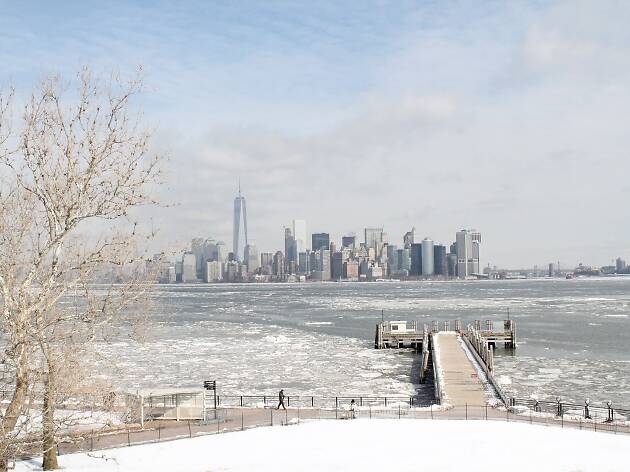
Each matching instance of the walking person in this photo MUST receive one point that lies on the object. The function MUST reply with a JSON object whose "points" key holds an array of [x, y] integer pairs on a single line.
{"points": [[281, 400], [353, 413], [587, 410]]}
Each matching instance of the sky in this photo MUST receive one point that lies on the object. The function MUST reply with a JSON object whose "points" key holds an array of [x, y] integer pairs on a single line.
{"points": [[508, 117]]}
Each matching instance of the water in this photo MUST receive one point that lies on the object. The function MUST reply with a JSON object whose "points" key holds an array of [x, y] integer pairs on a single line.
{"points": [[317, 339]]}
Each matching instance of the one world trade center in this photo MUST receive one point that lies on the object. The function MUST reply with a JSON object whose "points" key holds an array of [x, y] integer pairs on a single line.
{"points": [[240, 211]]}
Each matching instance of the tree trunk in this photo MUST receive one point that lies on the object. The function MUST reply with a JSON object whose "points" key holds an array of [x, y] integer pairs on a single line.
{"points": [[15, 408], [49, 449]]}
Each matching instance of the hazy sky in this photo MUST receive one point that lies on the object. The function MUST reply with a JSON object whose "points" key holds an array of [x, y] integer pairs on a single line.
{"points": [[509, 117]]}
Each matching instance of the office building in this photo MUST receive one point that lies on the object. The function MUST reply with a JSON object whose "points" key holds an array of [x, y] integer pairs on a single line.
{"points": [[239, 229], [324, 264], [440, 260], [189, 267], [232, 271], [428, 266], [409, 238], [349, 241], [620, 265], [320, 240], [221, 252], [290, 254], [299, 235], [375, 239], [416, 259], [392, 258], [278, 264], [197, 248], [467, 245], [251, 258], [304, 266], [214, 271], [404, 260], [336, 271], [351, 270]]}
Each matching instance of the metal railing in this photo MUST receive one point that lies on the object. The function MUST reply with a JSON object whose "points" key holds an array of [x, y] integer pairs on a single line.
{"points": [[238, 419]]}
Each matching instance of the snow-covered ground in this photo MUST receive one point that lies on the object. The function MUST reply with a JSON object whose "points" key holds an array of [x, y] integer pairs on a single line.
{"points": [[364, 445]]}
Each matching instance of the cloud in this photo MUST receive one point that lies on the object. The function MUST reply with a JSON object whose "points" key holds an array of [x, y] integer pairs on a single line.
{"points": [[510, 118]]}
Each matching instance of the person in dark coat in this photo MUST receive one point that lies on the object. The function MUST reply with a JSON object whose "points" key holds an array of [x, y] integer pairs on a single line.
{"points": [[281, 400]]}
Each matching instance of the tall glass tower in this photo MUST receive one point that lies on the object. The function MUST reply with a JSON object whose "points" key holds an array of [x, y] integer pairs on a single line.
{"points": [[240, 212]]}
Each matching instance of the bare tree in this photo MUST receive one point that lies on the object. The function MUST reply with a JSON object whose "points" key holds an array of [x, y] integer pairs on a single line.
{"points": [[72, 172]]}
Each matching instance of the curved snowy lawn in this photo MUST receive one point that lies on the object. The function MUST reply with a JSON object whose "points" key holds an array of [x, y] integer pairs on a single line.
{"points": [[364, 445]]}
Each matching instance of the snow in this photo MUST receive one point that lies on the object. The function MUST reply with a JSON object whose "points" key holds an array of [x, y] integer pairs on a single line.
{"points": [[362, 445]]}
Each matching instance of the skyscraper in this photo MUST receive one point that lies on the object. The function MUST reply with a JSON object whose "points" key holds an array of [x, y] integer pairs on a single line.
{"points": [[428, 264], [349, 241], [290, 253], [416, 259], [240, 212], [251, 258], [409, 238], [440, 260], [375, 239], [299, 234], [467, 243], [320, 240]]}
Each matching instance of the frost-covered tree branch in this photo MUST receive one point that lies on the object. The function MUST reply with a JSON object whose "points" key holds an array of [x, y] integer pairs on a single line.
{"points": [[73, 167]]}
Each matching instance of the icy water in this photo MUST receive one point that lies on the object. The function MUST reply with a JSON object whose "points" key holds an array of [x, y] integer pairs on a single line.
{"points": [[317, 339]]}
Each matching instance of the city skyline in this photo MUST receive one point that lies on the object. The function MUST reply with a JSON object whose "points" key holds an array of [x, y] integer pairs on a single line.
{"points": [[504, 116]]}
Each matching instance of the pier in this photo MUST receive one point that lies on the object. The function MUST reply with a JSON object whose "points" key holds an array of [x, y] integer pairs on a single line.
{"points": [[449, 352]]}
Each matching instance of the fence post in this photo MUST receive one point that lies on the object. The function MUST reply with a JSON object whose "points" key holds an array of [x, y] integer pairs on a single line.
{"points": [[466, 410], [204, 412], [271, 411], [177, 407], [128, 438], [159, 433], [399, 411], [370, 411], [141, 411], [189, 430], [486, 411], [241, 401], [312, 402]]}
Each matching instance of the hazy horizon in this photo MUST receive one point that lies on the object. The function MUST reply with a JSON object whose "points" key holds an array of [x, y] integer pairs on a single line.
{"points": [[506, 117]]}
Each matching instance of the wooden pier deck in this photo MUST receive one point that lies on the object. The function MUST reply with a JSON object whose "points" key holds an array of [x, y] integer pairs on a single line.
{"points": [[459, 382]]}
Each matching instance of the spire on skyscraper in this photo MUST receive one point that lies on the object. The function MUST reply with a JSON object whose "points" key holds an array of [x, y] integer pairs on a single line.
{"points": [[240, 212]]}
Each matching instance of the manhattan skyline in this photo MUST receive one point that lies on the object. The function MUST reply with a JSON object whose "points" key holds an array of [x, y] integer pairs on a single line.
{"points": [[498, 115]]}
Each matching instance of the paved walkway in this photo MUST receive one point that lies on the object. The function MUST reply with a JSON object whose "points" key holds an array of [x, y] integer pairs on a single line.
{"points": [[461, 385]]}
